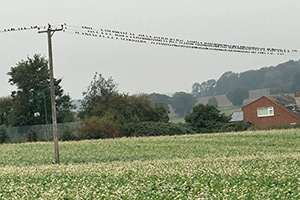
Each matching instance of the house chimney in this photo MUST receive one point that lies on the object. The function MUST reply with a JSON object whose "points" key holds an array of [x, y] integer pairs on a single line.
{"points": [[297, 97]]}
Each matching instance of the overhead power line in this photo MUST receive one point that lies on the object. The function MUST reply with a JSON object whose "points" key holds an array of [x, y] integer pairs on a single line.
{"points": [[158, 40], [28, 28], [173, 42], [23, 28]]}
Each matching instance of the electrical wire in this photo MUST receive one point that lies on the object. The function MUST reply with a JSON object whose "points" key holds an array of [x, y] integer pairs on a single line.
{"points": [[156, 40], [172, 42], [23, 28], [27, 28]]}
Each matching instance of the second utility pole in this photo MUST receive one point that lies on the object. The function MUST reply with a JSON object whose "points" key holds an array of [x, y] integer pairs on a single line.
{"points": [[50, 33]]}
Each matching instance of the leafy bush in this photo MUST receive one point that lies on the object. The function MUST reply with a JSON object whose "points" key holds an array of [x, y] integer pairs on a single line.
{"points": [[18, 139], [3, 135], [96, 128], [236, 126], [206, 119], [68, 134], [154, 129], [273, 127], [31, 136], [122, 109]]}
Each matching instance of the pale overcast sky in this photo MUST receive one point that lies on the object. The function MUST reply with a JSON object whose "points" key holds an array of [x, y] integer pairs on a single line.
{"points": [[142, 68]]}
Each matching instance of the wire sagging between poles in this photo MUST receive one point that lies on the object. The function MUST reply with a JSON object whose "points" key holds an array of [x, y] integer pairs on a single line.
{"points": [[159, 40], [173, 42]]}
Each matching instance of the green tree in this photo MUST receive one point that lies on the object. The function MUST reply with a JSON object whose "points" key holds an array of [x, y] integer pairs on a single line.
{"points": [[98, 89], [206, 88], [206, 118], [295, 85], [226, 82], [103, 101], [237, 96], [144, 110], [196, 89], [6, 104], [252, 79], [160, 99], [122, 109], [183, 103], [32, 77], [213, 101]]}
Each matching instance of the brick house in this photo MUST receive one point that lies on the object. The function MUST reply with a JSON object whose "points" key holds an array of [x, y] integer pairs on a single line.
{"points": [[273, 110]]}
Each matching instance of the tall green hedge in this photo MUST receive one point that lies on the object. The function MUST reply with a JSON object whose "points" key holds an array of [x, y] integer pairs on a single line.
{"points": [[154, 129], [3, 135]]}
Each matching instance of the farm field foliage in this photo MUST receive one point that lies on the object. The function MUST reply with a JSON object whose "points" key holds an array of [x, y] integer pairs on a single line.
{"points": [[248, 165]]}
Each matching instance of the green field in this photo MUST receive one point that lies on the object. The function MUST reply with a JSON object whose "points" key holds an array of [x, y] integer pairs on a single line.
{"points": [[248, 165], [229, 110], [178, 120]]}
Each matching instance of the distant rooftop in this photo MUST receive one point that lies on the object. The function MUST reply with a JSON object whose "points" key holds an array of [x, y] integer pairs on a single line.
{"points": [[237, 116], [286, 101]]}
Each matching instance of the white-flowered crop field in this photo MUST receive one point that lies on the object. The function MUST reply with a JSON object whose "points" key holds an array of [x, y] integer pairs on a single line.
{"points": [[248, 165]]}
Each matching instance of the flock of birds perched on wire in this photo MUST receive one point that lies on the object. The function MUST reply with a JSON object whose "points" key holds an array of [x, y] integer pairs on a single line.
{"points": [[157, 40]]}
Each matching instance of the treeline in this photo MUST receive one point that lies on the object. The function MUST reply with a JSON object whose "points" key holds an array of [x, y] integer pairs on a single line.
{"points": [[106, 113], [181, 102], [284, 78]]}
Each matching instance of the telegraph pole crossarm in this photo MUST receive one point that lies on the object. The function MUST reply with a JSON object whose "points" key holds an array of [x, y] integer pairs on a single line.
{"points": [[50, 33]]}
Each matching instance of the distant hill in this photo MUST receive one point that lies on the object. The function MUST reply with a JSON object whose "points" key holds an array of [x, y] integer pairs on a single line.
{"points": [[224, 102], [283, 78]]}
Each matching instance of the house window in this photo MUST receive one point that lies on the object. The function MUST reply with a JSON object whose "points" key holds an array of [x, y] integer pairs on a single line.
{"points": [[265, 112]]}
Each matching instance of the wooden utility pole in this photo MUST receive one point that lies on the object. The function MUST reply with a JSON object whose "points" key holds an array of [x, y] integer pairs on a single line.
{"points": [[50, 33]]}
